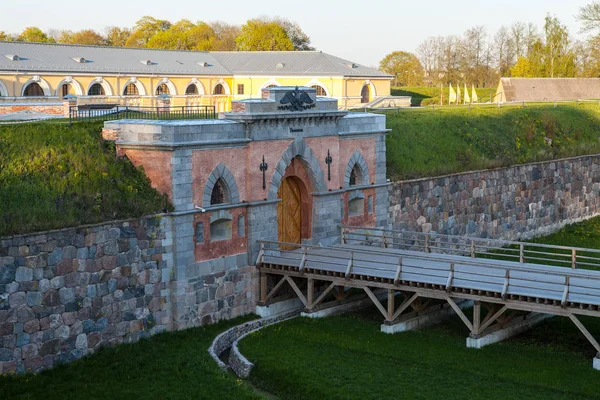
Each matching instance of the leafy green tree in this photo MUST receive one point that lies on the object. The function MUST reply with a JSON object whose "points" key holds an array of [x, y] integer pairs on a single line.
{"points": [[184, 35], [404, 66], [144, 29], [34, 34], [257, 35], [559, 59]]}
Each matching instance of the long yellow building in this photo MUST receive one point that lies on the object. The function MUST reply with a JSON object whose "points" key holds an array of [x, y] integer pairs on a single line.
{"points": [[47, 72]]}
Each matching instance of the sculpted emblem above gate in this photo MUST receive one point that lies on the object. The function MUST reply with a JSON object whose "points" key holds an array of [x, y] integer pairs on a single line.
{"points": [[296, 100]]}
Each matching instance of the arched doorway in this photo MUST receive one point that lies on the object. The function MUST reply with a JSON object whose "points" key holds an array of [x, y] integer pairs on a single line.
{"points": [[364, 94], [294, 211]]}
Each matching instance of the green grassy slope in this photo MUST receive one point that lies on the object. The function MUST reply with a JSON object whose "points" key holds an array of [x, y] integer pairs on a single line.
{"points": [[167, 366], [426, 96], [452, 139], [54, 176]]}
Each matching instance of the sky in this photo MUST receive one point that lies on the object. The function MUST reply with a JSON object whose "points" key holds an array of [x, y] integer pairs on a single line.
{"points": [[361, 31]]}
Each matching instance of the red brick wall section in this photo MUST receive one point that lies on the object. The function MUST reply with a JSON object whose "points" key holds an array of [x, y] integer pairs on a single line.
{"points": [[38, 108], [238, 107], [209, 250], [109, 134], [367, 219], [157, 166], [204, 161], [366, 147]]}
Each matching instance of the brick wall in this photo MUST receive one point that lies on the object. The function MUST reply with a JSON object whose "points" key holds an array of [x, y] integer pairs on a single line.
{"points": [[53, 108], [518, 202]]}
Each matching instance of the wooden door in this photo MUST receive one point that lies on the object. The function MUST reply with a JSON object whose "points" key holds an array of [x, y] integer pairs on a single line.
{"points": [[289, 212]]}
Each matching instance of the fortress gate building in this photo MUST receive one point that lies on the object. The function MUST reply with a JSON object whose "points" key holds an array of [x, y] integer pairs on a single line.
{"points": [[288, 167]]}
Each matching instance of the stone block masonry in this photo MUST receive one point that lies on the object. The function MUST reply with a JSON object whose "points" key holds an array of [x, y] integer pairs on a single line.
{"points": [[518, 202], [66, 293]]}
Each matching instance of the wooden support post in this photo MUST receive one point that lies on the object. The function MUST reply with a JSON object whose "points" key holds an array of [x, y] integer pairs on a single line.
{"points": [[472, 248], [506, 283], [426, 243], [458, 311], [450, 278], [521, 253], [489, 319], [574, 259], [322, 296], [404, 306], [585, 332], [310, 292], [563, 303], [349, 267], [263, 288], [391, 307], [398, 276], [261, 254], [476, 317], [297, 290], [375, 301]]}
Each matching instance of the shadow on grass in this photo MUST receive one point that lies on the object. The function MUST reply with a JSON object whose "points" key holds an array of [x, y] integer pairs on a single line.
{"points": [[166, 366]]}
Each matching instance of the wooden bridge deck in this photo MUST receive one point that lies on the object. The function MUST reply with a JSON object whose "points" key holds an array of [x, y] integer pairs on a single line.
{"points": [[424, 269]]}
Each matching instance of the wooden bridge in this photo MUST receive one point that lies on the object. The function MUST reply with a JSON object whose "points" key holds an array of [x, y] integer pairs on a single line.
{"points": [[510, 280]]}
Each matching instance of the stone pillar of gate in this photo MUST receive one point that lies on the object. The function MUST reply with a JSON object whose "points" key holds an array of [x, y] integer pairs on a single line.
{"points": [[68, 102], [163, 103]]}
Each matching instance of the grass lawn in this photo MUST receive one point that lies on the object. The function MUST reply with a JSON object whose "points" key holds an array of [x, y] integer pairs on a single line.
{"points": [[54, 176], [452, 139], [346, 357], [167, 366]]}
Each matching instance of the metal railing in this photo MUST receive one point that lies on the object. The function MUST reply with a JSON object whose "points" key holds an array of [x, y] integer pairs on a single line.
{"points": [[521, 252], [109, 112]]}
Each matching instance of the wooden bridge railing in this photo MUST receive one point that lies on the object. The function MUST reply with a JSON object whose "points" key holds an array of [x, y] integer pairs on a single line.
{"points": [[522, 252]]}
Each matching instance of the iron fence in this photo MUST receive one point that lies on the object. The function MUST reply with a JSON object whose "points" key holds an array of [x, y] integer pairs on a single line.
{"points": [[109, 112]]}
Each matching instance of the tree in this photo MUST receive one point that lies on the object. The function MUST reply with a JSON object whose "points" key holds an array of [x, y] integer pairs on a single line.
{"points": [[257, 35], [299, 39], [116, 36], [559, 59], [184, 35], [34, 34], [86, 37], [225, 35], [405, 67], [589, 15], [144, 29], [6, 37]]}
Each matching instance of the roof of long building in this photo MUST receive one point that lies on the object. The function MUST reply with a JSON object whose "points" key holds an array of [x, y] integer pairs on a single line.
{"points": [[550, 89], [72, 59]]}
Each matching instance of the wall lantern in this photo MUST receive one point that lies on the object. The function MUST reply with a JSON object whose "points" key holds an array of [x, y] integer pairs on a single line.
{"points": [[328, 161], [263, 168]]}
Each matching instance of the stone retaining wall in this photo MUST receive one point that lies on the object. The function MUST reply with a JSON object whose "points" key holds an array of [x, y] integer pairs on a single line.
{"points": [[518, 202], [66, 293]]}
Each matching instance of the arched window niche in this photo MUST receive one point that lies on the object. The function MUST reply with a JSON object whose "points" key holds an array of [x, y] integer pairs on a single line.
{"points": [[221, 223]]}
